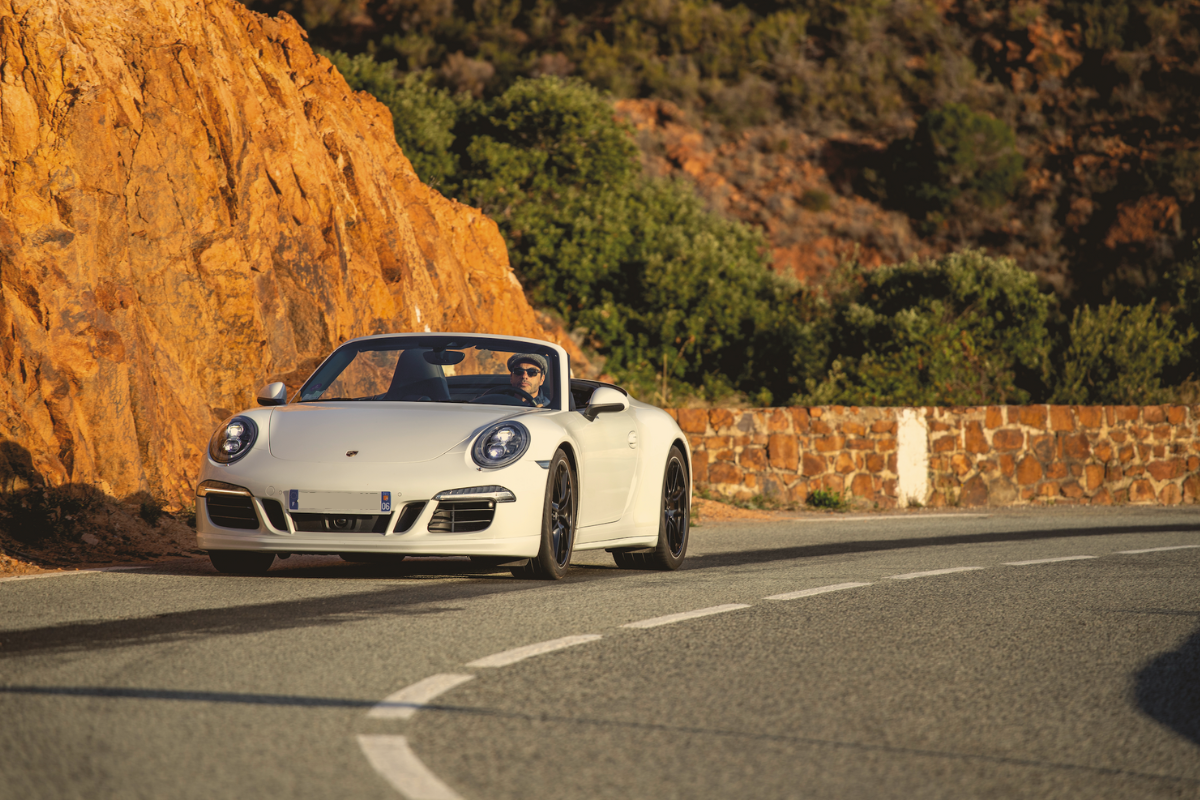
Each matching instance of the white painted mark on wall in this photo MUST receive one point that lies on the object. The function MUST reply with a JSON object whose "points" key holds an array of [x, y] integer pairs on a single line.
{"points": [[912, 457]]}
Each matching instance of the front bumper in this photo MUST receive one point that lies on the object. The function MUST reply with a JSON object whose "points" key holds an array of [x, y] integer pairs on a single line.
{"points": [[515, 529]]}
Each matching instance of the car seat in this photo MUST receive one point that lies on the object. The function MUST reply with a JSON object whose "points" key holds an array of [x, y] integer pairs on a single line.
{"points": [[415, 379]]}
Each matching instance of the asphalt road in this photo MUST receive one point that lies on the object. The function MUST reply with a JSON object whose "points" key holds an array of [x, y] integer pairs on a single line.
{"points": [[1067, 678]]}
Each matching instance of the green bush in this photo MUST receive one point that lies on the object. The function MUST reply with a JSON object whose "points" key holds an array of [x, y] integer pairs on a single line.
{"points": [[665, 286], [1181, 300], [824, 498], [669, 291], [965, 329], [1117, 354], [543, 141], [954, 155]]}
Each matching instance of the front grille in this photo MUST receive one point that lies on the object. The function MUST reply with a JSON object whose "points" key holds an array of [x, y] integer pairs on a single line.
{"points": [[465, 516], [231, 511], [274, 511], [341, 523]]}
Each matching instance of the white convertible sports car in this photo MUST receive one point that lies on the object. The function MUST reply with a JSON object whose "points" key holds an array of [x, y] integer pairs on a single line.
{"points": [[446, 444]]}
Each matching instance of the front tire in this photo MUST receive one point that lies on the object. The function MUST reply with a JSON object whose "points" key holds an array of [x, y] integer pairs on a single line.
{"points": [[558, 524], [241, 562], [674, 521]]}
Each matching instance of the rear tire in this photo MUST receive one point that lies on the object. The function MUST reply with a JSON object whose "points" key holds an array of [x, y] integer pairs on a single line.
{"points": [[241, 562], [674, 521], [558, 524]]}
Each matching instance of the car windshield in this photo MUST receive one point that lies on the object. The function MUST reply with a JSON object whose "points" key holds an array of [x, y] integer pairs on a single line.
{"points": [[438, 369]]}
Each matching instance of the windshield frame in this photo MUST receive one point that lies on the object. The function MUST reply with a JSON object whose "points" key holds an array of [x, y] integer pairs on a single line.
{"points": [[555, 356]]}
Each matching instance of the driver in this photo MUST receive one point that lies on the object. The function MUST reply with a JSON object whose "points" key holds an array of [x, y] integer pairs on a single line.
{"points": [[527, 372]]}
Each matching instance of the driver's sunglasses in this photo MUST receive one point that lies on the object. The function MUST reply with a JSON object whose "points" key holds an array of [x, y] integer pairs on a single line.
{"points": [[532, 372]]}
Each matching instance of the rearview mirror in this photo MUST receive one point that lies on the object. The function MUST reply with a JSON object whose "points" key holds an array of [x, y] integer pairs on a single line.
{"points": [[273, 394], [605, 400], [444, 358]]}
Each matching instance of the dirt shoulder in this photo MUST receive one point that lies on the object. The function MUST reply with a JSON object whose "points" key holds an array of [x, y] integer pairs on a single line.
{"points": [[47, 533]]}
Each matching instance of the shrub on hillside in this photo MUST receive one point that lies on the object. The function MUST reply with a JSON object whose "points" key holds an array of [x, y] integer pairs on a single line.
{"points": [[1117, 354], [1177, 298], [667, 290], [955, 155], [965, 329]]}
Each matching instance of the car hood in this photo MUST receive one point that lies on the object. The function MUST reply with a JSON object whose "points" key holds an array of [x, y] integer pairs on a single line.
{"points": [[378, 431]]}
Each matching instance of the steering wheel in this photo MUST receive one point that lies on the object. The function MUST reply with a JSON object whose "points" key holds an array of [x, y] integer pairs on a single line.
{"points": [[514, 391]]}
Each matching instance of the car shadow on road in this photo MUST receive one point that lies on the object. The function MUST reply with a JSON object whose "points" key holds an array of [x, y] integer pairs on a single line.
{"points": [[767, 555], [291, 613], [1168, 689], [105, 692]]}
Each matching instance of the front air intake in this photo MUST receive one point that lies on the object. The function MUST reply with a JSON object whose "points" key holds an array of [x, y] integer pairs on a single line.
{"points": [[231, 511], [340, 523], [464, 516], [408, 516], [275, 514]]}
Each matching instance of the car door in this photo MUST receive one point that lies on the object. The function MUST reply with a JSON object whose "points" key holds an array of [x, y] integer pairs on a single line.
{"points": [[608, 460]]}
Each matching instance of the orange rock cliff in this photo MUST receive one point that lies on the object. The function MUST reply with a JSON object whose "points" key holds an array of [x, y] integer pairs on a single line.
{"points": [[193, 203]]}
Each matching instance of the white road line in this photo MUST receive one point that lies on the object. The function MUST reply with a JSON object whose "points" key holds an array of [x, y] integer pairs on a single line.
{"points": [[406, 702], [1045, 561], [522, 653], [1157, 549], [908, 576], [667, 620], [398, 764], [837, 587]]}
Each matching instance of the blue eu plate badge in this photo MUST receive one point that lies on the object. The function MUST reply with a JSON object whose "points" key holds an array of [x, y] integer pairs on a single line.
{"points": [[385, 502], [293, 500]]}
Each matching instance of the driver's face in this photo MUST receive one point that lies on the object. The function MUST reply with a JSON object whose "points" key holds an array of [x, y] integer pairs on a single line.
{"points": [[522, 380]]}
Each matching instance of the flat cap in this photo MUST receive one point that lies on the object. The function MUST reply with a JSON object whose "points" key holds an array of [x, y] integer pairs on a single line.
{"points": [[529, 358]]}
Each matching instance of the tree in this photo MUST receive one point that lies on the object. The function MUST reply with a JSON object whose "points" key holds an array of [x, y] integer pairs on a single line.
{"points": [[1117, 354], [955, 155], [965, 329]]}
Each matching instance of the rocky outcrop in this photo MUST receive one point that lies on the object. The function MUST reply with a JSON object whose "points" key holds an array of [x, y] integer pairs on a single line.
{"points": [[794, 186], [193, 203]]}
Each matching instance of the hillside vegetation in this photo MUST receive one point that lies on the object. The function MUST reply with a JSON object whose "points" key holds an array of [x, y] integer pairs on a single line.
{"points": [[1033, 169]]}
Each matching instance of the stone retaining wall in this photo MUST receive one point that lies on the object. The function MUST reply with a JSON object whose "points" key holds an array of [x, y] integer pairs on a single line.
{"points": [[994, 455]]}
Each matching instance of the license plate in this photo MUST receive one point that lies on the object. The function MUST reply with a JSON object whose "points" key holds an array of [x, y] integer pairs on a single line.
{"points": [[349, 502]]}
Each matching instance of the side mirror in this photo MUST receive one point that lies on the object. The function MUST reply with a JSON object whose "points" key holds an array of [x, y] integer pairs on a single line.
{"points": [[273, 394], [605, 400]]}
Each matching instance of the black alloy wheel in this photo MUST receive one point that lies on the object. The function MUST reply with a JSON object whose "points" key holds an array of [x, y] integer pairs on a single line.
{"points": [[674, 522], [558, 524]]}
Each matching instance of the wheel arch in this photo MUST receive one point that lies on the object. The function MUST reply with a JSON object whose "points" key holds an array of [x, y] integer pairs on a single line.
{"points": [[687, 455], [569, 449]]}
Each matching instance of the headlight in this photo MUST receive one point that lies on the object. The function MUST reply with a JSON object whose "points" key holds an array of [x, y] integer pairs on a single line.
{"points": [[233, 440], [500, 445]]}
